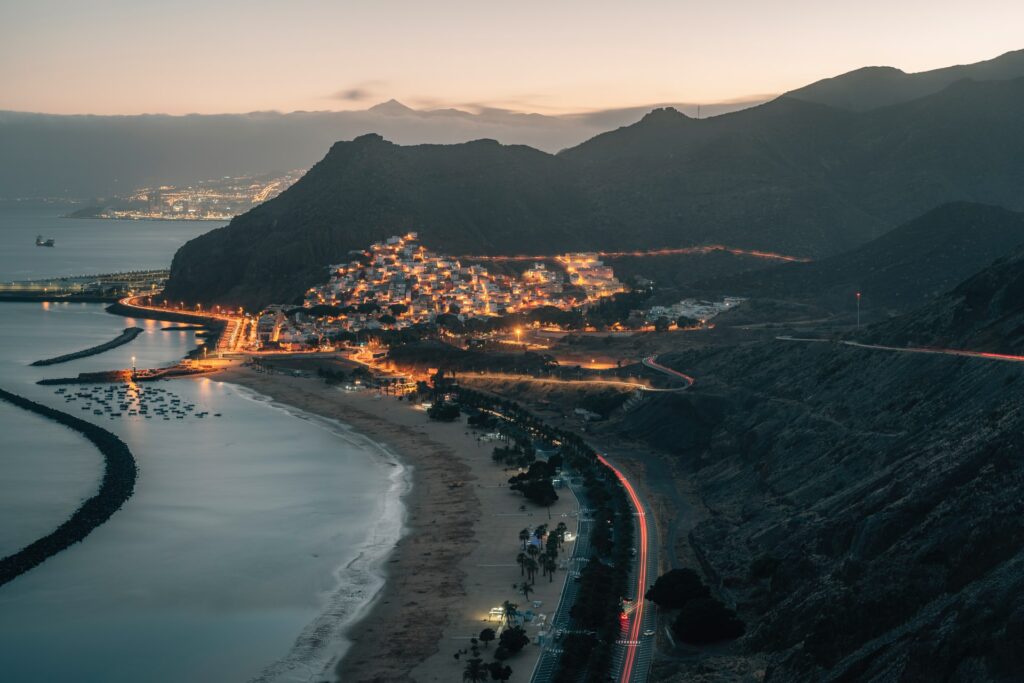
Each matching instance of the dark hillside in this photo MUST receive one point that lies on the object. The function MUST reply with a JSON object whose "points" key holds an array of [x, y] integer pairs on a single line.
{"points": [[900, 270]]}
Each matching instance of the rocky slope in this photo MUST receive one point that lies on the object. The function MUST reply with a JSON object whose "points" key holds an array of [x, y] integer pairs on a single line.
{"points": [[984, 313], [862, 507]]}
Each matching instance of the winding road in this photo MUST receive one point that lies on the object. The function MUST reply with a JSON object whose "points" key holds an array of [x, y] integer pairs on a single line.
{"points": [[652, 363]]}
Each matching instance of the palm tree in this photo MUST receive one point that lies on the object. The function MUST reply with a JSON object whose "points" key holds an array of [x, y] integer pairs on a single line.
{"points": [[533, 551], [524, 536], [531, 568], [560, 532], [550, 565], [475, 671], [521, 558], [511, 611], [526, 589]]}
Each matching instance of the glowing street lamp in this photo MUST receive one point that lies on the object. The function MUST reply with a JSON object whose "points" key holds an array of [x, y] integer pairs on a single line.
{"points": [[858, 309], [519, 334], [133, 367]]}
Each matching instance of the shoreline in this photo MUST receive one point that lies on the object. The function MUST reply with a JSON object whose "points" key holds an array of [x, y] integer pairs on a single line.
{"points": [[454, 560], [326, 638], [383, 639]]}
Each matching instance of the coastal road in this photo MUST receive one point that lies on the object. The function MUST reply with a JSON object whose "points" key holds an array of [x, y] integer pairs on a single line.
{"points": [[230, 338], [637, 648], [984, 355]]}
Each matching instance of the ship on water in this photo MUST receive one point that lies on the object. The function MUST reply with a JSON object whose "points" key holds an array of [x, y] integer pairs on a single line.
{"points": [[48, 242]]}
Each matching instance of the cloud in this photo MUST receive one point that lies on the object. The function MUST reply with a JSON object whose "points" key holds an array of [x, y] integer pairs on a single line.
{"points": [[358, 92]]}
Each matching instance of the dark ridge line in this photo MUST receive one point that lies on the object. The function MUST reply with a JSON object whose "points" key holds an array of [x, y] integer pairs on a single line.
{"points": [[116, 488], [128, 335]]}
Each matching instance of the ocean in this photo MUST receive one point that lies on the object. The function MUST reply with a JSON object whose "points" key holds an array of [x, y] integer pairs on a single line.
{"points": [[244, 529]]}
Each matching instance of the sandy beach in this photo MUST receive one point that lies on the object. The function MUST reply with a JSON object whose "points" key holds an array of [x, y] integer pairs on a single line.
{"points": [[457, 558]]}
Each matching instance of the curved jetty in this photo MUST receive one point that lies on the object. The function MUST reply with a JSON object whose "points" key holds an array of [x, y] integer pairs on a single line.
{"points": [[129, 334], [117, 487]]}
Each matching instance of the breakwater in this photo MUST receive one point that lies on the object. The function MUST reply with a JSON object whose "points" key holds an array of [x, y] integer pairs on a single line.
{"points": [[128, 335], [117, 486]]}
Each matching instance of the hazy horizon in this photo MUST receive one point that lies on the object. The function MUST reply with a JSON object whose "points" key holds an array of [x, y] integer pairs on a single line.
{"points": [[122, 58]]}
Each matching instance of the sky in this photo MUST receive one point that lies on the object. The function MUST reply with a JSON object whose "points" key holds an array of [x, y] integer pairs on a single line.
{"points": [[551, 57]]}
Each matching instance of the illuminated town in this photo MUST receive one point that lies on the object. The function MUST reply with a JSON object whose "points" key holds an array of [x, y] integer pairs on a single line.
{"points": [[210, 200], [410, 284]]}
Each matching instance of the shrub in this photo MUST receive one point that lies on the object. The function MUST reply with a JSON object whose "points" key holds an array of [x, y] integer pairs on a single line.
{"points": [[706, 620], [444, 412], [675, 588]]}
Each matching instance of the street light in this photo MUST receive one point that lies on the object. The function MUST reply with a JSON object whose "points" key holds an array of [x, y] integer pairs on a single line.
{"points": [[858, 309], [519, 334], [133, 367]]}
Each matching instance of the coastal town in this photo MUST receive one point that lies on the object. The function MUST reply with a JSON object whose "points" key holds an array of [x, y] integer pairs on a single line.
{"points": [[219, 199], [398, 283]]}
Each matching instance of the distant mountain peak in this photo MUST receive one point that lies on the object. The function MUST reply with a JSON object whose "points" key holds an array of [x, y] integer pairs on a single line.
{"points": [[664, 114], [392, 107]]}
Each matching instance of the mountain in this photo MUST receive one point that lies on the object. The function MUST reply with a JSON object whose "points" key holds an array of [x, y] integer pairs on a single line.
{"points": [[787, 176], [984, 313], [880, 86], [860, 509], [900, 270], [44, 155]]}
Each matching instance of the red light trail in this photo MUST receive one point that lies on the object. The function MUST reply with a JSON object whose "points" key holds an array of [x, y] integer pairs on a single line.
{"points": [[638, 614], [703, 249]]}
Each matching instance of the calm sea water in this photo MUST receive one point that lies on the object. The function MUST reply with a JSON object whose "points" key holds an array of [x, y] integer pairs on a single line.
{"points": [[247, 534], [85, 247]]}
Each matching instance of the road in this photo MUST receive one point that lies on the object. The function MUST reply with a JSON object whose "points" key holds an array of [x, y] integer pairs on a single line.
{"points": [[231, 338], [652, 363], [550, 380], [985, 355], [638, 649]]}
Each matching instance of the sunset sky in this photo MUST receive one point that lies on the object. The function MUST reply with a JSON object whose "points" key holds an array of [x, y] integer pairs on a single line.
{"points": [[557, 56]]}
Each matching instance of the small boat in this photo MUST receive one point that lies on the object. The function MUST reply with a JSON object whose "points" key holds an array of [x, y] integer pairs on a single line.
{"points": [[48, 242]]}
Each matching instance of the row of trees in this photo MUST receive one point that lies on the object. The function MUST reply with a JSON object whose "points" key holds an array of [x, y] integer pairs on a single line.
{"points": [[604, 580]]}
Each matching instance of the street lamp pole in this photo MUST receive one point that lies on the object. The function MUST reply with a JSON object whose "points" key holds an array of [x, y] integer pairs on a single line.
{"points": [[858, 309]]}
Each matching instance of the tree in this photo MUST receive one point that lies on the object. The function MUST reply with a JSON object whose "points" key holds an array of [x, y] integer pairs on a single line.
{"points": [[499, 671], [706, 620], [511, 611], [525, 588], [531, 568], [521, 559], [512, 640], [550, 566], [524, 536], [486, 636], [676, 587], [475, 671], [661, 324], [444, 412]]}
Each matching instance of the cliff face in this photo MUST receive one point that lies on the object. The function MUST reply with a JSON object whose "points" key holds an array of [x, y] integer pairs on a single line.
{"points": [[787, 176], [864, 507]]}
